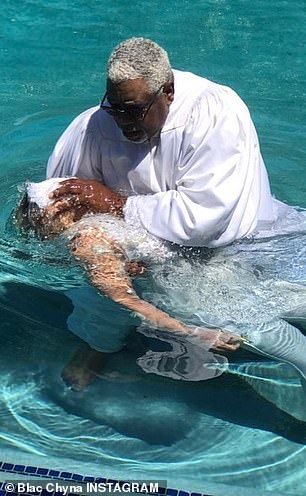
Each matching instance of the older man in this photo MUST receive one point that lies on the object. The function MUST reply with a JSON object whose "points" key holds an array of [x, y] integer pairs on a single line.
{"points": [[167, 149]]}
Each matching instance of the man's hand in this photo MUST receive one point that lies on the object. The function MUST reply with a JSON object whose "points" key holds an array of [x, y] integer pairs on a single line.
{"points": [[86, 195]]}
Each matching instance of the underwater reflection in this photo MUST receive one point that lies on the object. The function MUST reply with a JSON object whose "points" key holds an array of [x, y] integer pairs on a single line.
{"points": [[185, 361]]}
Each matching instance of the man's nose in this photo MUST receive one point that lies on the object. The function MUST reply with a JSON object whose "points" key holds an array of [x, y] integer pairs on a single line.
{"points": [[124, 120]]}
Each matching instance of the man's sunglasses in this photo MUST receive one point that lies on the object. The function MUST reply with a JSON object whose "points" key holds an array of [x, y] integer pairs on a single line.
{"points": [[136, 112]]}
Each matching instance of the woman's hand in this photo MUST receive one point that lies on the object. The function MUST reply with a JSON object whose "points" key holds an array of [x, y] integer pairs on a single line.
{"points": [[215, 339]]}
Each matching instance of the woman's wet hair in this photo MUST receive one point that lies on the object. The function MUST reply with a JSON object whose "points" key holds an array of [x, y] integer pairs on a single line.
{"points": [[29, 218]]}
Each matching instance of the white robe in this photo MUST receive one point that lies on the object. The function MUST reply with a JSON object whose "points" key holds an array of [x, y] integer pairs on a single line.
{"points": [[202, 183]]}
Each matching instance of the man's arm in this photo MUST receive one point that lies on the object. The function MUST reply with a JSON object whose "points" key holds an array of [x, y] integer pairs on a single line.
{"points": [[76, 151], [219, 188]]}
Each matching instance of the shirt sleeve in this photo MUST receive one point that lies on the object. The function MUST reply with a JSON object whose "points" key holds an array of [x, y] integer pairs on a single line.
{"points": [[216, 190], [77, 152]]}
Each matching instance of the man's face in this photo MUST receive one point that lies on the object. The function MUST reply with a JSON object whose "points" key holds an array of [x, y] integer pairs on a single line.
{"points": [[133, 98]]}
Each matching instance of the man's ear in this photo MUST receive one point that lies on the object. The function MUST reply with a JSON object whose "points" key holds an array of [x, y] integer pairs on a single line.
{"points": [[169, 92]]}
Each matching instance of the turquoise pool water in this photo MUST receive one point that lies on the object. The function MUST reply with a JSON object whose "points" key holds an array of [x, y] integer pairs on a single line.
{"points": [[217, 436]]}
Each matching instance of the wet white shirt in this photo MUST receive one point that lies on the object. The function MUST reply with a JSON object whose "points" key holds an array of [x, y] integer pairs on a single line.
{"points": [[202, 183]]}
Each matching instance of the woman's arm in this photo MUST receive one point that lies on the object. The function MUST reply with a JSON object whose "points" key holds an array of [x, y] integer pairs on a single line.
{"points": [[105, 263]]}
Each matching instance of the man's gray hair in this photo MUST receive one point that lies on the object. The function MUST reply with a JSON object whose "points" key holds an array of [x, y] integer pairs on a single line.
{"points": [[137, 58]]}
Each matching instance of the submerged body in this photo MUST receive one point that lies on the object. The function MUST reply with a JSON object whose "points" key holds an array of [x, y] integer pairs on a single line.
{"points": [[251, 289], [245, 288], [255, 289], [109, 255]]}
